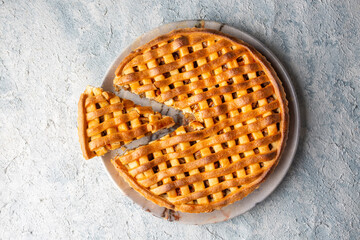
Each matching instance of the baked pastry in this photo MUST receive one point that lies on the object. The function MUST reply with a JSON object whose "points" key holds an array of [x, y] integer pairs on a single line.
{"points": [[238, 127], [106, 122]]}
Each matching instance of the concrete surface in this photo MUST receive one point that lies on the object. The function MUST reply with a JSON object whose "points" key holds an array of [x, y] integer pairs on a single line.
{"points": [[49, 52]]}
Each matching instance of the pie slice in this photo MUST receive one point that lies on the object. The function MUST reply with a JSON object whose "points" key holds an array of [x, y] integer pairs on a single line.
{"points": [[106, 122], [239, 127]]}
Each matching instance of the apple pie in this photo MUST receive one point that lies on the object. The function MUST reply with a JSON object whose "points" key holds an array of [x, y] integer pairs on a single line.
{"points": [[106, 122], [238, 120]]}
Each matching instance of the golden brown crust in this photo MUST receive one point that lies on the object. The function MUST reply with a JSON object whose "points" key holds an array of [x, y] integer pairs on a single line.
{"points": [[241, 111], [82, 129], [106, 122], [204, 134]]}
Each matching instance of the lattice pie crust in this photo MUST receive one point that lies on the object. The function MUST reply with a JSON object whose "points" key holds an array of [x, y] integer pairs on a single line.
{"points": [[239, 120], [106, 122]]}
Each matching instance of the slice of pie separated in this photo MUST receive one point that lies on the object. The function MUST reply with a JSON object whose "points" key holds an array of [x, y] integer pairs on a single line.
{"points": [[239, 127], [106, 122]]}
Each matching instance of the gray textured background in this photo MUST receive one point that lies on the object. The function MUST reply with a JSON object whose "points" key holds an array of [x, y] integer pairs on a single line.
{"points": [[50, 51]]}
